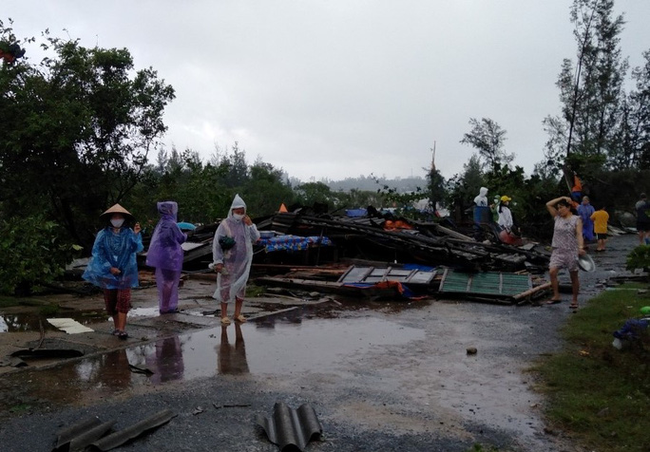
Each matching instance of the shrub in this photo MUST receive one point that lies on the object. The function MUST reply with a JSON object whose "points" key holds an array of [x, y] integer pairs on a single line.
{"points": [[33, 251], [639, 257]]}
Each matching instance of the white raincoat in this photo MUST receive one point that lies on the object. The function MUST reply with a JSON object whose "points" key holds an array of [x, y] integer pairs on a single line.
{"points": [[231, 282], [481, 200]]}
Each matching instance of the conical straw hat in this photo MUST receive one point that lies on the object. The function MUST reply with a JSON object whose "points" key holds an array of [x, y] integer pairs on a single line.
{"points": [[116, 209]]}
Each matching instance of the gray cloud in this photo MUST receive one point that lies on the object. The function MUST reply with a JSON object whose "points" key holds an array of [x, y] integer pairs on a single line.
{"points": [[337, 88]]}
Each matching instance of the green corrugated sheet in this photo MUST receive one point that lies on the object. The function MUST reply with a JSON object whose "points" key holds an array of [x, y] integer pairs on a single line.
{"points": [[486, 283]]}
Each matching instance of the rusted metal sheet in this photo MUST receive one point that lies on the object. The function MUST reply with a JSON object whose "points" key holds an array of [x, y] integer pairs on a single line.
{"points": [[291, 428]]}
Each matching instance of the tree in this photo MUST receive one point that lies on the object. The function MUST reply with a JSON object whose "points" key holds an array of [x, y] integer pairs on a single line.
{"points": [[315, 192], [436, 188], [488, 138], [265, 189], [592, 91], [637, 120], [466, 186], [77, 130]]}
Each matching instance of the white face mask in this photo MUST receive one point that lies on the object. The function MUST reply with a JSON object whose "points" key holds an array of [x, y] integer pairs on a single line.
{"points": [[238, 216], [117, 223]]}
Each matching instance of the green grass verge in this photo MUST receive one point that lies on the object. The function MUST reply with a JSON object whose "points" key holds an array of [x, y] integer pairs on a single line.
{"points": [[596, 393]]}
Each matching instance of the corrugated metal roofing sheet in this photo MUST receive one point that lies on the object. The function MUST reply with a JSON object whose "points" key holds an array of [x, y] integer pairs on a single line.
{"points": [[485, 283], [291, 428]]}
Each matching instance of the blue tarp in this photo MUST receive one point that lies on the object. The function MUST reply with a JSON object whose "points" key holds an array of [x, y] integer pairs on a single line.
{"points": [[292, 243], [355, 213]]}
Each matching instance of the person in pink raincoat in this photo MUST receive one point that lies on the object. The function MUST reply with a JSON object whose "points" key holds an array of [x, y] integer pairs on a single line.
{"points": [[166, 255], [232, 253]]}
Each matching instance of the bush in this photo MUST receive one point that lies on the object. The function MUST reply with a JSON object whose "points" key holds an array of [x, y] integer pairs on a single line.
{"points": [[639, 257], [33, 252]]}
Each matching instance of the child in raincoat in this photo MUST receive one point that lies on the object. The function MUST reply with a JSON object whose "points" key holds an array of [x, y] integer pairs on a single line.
{"points": [[166, 255], [232, 253], [113, 265]]}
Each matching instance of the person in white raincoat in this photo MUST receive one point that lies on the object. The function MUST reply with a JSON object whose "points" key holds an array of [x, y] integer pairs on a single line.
{"points": [[232, 255]]}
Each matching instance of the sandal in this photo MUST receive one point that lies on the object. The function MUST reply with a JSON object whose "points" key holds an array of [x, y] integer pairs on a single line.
{"points": [[574, 306], [225, 321], [553, 301], [240, 318], [123, 335]]}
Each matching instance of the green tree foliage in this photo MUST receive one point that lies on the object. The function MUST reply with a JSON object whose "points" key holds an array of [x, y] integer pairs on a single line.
{"points": [[636, 135], [465, 186], [204, 192], [639, 257], [311, 193], [265, 190], [436, 188], [33, 251], [77, 130], [488, 138], [591, 91]]}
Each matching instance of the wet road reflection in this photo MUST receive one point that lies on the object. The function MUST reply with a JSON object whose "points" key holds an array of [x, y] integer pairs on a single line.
{"points": [[16, 323], [313, 345], [232, 358]]}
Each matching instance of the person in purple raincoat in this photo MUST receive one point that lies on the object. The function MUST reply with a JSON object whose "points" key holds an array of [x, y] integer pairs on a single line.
{"points": [[586, 210], [232, 252], [166, 255]]}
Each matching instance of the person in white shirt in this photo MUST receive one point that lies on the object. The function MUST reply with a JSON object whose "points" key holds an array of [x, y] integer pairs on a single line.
{"points": [[505, 215]]}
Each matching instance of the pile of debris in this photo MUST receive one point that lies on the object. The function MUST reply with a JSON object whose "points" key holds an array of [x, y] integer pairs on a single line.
{"points": [[382, 257]]}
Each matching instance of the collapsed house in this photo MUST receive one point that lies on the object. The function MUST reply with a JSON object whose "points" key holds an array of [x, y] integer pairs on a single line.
{"points": [[377, 255]]}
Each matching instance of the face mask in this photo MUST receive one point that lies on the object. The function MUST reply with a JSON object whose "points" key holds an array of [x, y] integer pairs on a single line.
{"points": [[238, 216], [117, 223]]}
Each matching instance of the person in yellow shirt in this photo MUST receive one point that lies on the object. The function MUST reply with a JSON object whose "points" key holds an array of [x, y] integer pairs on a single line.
{"points": [[600, 218]]}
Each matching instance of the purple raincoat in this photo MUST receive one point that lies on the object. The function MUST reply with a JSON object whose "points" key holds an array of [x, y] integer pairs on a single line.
{"points": [[237, 260], [166, 255], [586, 211]]}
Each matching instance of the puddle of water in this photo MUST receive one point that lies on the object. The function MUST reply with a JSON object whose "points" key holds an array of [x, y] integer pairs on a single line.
{"points": [[16, 323], [282, 348], [144, 312]]}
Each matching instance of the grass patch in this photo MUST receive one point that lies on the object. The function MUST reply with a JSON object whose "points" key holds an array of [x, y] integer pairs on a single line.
{"points": [[597, 393]]}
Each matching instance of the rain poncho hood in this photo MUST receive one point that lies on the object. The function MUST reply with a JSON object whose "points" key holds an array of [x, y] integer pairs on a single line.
{"points": [[165, 248], [237, 260], [114, 249], [481, 199]]}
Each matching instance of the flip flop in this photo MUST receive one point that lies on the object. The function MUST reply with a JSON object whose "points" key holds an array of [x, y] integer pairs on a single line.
{"points": [[240, 318], [574, 306], [552, 301], [225, 321]]}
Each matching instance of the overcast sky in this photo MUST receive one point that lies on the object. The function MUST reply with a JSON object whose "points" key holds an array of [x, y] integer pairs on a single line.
{"points": [[342, 88]]}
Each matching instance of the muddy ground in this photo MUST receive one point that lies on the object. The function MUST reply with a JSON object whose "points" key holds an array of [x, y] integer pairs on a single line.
{"points": [[381, 376]]}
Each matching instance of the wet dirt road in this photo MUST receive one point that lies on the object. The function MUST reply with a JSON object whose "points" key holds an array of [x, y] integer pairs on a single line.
{"points": [[381, 376]]}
